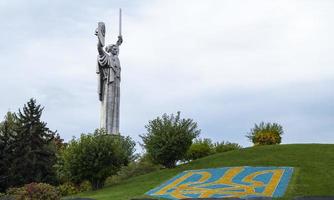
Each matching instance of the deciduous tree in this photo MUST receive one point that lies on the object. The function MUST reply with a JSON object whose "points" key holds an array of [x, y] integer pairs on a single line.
{"points": [[168, 138]]}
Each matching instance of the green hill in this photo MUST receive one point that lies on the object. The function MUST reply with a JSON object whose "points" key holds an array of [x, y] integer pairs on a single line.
{"points": [[313, 174]]}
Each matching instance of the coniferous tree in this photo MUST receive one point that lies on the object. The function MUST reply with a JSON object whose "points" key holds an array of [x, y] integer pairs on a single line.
{"points": [[34, 150], [7, 133]]}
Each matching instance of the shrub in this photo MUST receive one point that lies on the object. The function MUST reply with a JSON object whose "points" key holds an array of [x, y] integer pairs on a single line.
{"points": [[113, 180], [267, 138], [6, 197], [3, 196], [16, 191], [168, 138], [85, 186], [137, 168], [35, 191], [266, 134], [67, 188], [200, 148], [220, 147], [94, 157], [133, 169]]}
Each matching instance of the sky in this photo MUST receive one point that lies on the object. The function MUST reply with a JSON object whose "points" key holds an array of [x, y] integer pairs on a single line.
{"points": [[227, 64]]}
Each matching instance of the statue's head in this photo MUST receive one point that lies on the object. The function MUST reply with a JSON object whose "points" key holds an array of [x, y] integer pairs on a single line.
{"points": [[113, 49]]}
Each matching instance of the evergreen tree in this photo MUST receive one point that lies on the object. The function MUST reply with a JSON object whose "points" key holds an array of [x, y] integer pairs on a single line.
{"points": [[34, 150], [7, 133]]}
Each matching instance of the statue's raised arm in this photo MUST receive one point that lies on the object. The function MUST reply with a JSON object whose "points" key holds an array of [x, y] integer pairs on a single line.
{"points": [[100, 32]]}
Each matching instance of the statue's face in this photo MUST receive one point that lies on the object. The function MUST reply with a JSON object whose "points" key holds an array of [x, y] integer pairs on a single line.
{"points": [[114, 50]]}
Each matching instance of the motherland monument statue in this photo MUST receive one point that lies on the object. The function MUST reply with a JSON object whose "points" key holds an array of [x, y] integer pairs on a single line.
{"points": [[109, 77]]}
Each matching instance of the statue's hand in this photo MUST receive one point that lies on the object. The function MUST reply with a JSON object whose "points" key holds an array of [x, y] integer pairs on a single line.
{"points": [[120, 40]]}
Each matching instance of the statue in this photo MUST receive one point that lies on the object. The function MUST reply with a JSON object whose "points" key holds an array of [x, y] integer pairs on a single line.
{"points": [[109, 78]]}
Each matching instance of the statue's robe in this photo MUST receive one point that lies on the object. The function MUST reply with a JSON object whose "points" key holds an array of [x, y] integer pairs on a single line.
{"points": [[109, 77]]}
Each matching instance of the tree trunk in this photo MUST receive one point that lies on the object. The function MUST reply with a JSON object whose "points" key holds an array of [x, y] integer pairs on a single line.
{"points": [[97, 184]]}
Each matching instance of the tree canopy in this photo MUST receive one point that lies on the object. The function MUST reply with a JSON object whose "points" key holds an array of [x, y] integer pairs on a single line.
{"points": [[168, 138]]}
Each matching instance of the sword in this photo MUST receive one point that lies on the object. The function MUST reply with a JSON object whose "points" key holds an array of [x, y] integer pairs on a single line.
{"points": [[120, 23]]}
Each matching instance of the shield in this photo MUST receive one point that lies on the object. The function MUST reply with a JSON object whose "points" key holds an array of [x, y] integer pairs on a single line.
{"points": [[101, 32]]}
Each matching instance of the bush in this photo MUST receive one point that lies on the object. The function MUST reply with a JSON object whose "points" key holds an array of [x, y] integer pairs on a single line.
{"points": [[168, 138], [136, 169], [94, 157], [67, 189], [220, 147], [267, 139], [3, 196], [200, 148], [113, 180], [85, 186], [140, 167], [266, 134], [35, 191], [6, 197]]}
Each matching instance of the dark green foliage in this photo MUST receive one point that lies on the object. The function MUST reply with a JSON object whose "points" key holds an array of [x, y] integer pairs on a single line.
{"points": [[266, 134], [27, 149], [94, 157], [33, 150], [7, 132], [200, 148], [35, 191], [220, 147], [168, 138]]}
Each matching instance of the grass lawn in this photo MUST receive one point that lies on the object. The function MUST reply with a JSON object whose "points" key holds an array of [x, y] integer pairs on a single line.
{"points": [[313, 174]]}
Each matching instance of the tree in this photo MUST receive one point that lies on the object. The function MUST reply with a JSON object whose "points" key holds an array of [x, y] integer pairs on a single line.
{"points": [[58, 142], [7, 132], [33, 148], [200, 148], [168, 138], [94, 157], [266, 134]]}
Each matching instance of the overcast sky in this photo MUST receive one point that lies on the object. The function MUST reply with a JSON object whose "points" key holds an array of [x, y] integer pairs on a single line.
{"points": [[228, 64]]}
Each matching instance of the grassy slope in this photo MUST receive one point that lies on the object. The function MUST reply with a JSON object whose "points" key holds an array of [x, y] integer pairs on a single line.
{"points": [[314, 170]]}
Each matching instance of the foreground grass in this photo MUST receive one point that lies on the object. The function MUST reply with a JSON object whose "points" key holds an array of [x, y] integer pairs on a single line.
{"points": [[313, 175]]}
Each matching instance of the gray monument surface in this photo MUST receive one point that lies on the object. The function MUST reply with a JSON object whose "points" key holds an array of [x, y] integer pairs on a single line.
{"points": [[109, 78]]}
